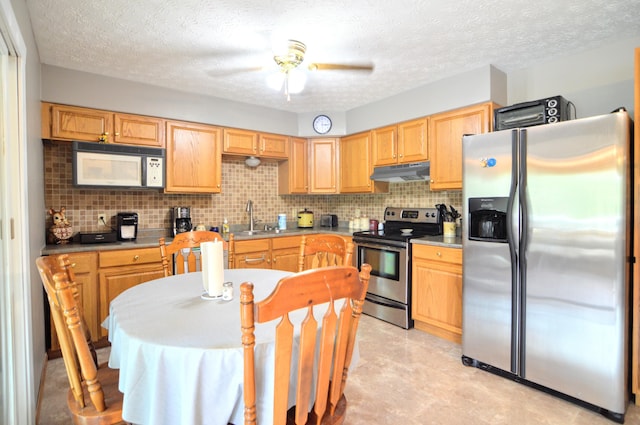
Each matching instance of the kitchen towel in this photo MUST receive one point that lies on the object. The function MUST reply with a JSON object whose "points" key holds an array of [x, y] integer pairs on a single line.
{"points": [[211, 255]]}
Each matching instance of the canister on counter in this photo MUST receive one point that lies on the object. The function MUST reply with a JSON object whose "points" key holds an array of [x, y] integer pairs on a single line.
{"points": [[373, 225], [282, 221]]}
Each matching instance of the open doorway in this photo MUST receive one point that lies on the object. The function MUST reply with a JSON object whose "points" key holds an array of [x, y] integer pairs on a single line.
{"points": [[16, 357]]}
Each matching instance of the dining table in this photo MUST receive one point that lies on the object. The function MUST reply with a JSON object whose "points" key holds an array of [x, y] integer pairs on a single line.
{"points": [[180, 353]]}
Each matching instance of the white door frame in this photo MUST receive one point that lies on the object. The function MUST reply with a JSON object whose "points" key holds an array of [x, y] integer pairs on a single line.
{"points": [[16, 328]]}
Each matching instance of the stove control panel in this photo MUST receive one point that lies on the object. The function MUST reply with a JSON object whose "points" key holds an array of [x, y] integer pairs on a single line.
{"points": [[412, 215]]}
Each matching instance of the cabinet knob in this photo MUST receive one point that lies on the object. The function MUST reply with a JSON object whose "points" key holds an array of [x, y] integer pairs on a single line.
{"points": [[400, 155], [136, 257], [439, 254], [73, 265]]}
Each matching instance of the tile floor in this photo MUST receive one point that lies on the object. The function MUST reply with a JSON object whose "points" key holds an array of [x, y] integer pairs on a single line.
{"points": [[409, 378]]}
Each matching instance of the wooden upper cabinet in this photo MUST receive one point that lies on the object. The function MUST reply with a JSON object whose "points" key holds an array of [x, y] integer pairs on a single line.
{"points": [[62, 122], [139, 130], [384, 146], [245, 142], [356, 165], [445, 141], [400, 144], [273, 145], [242, 142], [323, 160], [412, 141], [74, 123], [194, 158], [293, 175]]}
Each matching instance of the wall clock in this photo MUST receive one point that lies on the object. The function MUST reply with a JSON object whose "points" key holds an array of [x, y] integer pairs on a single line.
{"points": [[322, 124]]}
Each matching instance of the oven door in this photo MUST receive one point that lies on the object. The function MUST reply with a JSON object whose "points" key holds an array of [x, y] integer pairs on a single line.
{"points": [[389, 294], [388, 269]]}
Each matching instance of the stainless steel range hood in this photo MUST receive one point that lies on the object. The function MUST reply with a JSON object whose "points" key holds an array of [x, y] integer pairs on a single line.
{"points": [[402, 173]]}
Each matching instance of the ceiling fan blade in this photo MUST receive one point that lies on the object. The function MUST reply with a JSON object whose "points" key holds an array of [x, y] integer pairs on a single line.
{"points": [[235, 71], [339, 67]]}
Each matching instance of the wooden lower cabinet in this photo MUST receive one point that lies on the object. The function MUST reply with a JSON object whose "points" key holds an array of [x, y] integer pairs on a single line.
{"points": [[124, 269], [102, 276], [279, 253], [285, 252], [85, 268], [437, 291], [252, 254]]}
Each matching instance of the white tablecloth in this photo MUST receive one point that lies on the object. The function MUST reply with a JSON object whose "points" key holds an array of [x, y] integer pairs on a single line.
{"points": [[180, 357]]}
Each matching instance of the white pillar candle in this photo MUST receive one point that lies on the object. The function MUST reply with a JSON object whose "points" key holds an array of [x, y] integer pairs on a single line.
{"points": [[211, 255]]}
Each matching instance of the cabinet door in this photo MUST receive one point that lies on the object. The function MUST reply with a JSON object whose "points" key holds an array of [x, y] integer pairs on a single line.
{"points": [[323, 157], [437, 298], [74, 123], [445, 142], [437, 291], [384, 146], [293, 174], [285, 252], [241, 142], [85, 268], [273, 146], [355, 163], [412, 141], [139, 130], [115, 280], [254, 253], [193, 158]]}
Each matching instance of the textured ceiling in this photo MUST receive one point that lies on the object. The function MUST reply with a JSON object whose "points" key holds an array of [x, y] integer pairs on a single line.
{"points": [[208, 46]]}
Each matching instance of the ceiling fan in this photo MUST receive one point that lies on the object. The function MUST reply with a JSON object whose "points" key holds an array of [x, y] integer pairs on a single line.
{"points": [[290, 58]]}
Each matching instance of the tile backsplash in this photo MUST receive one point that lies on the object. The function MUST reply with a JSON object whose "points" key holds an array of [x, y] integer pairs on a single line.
{"points": [[239, 184]]}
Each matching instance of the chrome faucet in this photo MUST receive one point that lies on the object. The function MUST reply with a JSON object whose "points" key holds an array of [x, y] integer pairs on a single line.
{"points": [[249, 209]]}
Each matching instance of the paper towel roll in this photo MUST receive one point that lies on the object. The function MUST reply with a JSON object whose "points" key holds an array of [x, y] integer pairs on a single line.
{"points": [[211, 256]]}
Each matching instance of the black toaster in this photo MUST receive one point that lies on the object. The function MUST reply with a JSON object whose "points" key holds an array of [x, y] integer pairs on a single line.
{"points": [[328, 220]]}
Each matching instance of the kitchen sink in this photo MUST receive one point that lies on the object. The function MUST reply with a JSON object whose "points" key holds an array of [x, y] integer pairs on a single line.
{"points": [[259, 232]]}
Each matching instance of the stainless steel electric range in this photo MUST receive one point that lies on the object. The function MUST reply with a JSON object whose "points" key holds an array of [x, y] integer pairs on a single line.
{"points": [[388, 251]]}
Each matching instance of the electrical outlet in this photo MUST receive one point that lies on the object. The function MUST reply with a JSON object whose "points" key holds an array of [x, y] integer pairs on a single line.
{"points": [[102, 219]]}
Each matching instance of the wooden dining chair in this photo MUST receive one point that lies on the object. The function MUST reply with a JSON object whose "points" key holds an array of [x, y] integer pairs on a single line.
{"points": [[93, 397], [312, 289], [324, 250], [183, 244]]}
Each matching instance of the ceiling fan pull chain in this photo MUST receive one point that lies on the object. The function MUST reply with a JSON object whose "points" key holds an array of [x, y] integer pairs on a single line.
{"points": [[286, 86]]}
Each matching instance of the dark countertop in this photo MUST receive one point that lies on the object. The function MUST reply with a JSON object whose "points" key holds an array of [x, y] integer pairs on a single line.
{"points": [[150, 239], [455, 242]]}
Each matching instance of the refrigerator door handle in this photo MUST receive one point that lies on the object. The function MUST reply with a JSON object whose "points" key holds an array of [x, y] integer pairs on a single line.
{"points": [[522, 248], [512, 235]]}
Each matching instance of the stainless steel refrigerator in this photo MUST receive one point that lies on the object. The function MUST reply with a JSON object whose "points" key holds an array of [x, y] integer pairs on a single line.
{"points": [[546, 258]]}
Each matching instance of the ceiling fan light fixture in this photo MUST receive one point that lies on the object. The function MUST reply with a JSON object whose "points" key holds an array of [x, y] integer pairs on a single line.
{"points": [[292, 56], [295, 79]]}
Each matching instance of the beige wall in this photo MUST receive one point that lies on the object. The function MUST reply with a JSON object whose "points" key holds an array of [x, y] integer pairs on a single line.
{"points": [[239, 183]]}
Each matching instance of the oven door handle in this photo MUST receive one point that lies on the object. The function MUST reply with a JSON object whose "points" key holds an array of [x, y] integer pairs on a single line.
{"points": [[382, 303], [380, 246]]}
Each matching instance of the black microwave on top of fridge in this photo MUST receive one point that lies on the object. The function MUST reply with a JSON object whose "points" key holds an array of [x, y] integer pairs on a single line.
{"points": [[536, 112]]}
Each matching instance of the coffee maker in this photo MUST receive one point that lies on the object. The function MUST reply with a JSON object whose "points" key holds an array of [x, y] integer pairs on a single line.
{"points": [[181, 219], [127, 223]]}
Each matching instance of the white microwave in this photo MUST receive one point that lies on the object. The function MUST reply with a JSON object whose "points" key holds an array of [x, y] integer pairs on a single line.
{"points": [[105, 165]]}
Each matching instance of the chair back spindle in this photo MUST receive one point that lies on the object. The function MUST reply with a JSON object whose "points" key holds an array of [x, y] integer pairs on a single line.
{"points": [[333, 299], [323, 251], [186, 248]]}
